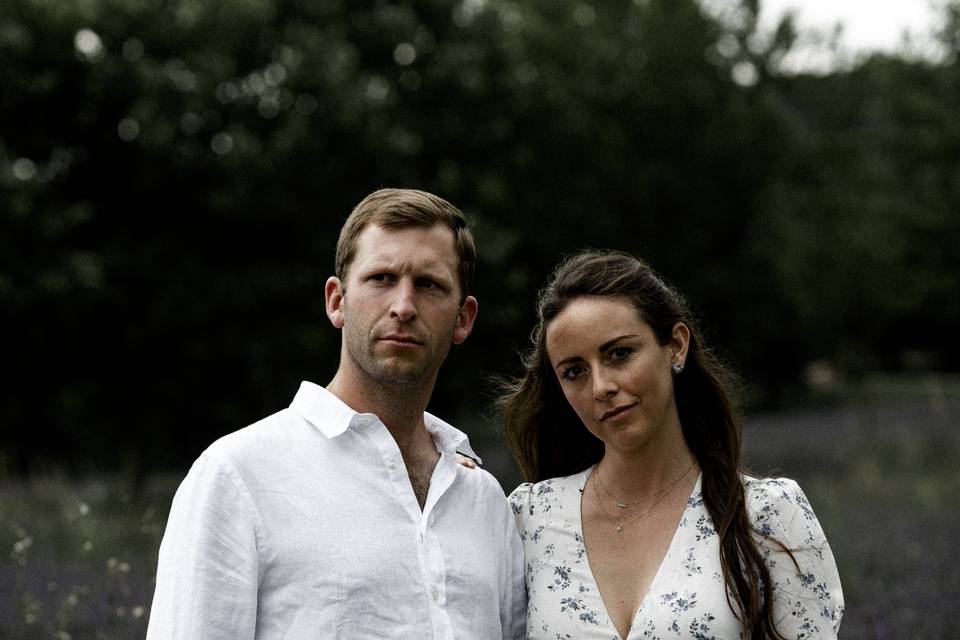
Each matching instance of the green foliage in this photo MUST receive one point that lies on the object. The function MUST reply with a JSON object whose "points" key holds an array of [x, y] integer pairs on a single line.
{"points": [[867, 204], [173, 174]]}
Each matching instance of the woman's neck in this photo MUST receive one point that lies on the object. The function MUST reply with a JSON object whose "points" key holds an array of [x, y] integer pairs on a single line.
{"points": [[641, 474]]}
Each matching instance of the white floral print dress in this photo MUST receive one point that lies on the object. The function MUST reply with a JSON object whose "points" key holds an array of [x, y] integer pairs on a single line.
{"points": [[687, 597]]}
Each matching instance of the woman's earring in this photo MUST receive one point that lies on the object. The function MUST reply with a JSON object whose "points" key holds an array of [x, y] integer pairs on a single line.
{"points": [[677, 367]]}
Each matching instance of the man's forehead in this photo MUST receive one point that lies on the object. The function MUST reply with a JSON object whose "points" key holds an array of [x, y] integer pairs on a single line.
{"points": [[388, 229], [421, 246]]}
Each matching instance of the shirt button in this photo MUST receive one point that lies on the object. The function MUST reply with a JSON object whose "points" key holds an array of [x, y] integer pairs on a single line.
{"points": [[432, 519], [391, 464], [436, 594], [420, 536]]}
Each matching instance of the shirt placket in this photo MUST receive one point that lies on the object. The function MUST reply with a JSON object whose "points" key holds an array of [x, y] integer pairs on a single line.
{"points": [[429, 550], [432, 564]]}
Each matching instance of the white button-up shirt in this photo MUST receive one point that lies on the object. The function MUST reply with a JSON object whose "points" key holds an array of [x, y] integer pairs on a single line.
{"points": [[305, 525]]}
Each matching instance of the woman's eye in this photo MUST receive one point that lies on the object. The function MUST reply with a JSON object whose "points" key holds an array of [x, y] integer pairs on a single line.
{"points": [[620, 353], [571, 373]]}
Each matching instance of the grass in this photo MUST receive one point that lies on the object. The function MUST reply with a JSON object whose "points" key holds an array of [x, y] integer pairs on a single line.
{"points": [[77, 558]]}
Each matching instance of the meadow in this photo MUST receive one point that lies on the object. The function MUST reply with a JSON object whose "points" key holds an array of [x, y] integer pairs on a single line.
{"points": [[880, 468], [879, 464]]}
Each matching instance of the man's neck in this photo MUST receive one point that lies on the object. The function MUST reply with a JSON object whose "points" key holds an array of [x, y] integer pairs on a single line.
{"points": [[401, 411], [399, 408]]}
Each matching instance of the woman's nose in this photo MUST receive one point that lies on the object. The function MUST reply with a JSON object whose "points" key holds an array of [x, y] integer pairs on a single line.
{"points": [[604, 385]]}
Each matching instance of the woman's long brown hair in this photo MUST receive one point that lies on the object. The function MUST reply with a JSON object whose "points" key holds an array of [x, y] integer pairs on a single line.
{"points": [[549, 440]]}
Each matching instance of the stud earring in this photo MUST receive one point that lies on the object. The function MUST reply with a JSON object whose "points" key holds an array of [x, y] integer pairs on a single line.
{"points": [[677, 367]]}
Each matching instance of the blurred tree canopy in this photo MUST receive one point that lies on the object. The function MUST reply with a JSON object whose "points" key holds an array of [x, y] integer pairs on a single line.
{"points": [[174, 173]]}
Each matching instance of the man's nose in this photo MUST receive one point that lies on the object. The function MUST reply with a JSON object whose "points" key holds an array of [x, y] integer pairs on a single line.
{"points": [[403, 305]]}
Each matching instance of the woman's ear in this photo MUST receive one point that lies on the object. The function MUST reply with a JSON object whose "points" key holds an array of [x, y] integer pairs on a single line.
{"points": [[679, 342]]}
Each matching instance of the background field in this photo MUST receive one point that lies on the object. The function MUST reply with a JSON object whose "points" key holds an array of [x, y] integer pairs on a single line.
{"points": [[879, 466], [880, 469]]}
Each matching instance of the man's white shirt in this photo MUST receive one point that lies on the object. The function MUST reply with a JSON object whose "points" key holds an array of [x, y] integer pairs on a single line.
{"points": [[305, 525]]}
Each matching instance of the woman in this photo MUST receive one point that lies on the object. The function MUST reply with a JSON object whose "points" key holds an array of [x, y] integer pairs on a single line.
{"points": [[641, 523]]}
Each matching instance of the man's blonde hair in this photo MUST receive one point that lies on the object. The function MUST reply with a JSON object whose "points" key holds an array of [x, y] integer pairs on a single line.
{"points": [[408, 208]]}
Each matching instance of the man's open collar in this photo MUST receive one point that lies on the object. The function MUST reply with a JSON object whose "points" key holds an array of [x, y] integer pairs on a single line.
{"points": [[448, 438], [322, 409], [332, 416]]}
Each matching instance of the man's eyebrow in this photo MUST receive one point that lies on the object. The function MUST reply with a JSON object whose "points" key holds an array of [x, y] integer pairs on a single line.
{"points": [[376, 265], [438, 274], [433, 270]]}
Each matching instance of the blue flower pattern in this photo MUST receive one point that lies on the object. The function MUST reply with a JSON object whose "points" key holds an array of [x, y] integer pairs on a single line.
{"points": [[687, 598]]}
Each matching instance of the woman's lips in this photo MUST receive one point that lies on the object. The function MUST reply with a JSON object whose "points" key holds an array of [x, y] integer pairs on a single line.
{"points": [[616, 411]]}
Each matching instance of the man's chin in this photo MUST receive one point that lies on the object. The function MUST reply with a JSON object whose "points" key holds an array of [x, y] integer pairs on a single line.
{"points": [[405, 374]]}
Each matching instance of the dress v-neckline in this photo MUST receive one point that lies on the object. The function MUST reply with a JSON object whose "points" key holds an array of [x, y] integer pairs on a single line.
{"points": [[582, 482]]}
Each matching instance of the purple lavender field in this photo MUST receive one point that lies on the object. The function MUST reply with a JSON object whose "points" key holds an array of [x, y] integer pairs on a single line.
{"points": [[881, 471], [879, 466]]}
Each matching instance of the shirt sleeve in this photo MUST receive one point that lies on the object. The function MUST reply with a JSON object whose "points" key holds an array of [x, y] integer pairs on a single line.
{"points": [[807, 596], [514, 611], [207, 574]]}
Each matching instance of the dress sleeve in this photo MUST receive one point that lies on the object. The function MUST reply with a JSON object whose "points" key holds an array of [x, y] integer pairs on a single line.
{"points": [[520, 505], [807, 597], [208, 570]]}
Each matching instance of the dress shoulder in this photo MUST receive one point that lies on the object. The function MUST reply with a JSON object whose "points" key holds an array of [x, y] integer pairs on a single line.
{"points": [[535, 502], [780, 509], [520, 497], [519, 500]]}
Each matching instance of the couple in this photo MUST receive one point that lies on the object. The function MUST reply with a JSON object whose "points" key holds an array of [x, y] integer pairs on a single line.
{"points": [[355, 514]]}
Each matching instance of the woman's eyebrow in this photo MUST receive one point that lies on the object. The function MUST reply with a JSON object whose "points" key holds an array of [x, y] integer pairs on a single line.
{"points": [[568, 361], [609, 343]]}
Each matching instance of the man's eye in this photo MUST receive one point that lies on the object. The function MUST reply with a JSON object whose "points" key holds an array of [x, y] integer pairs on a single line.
{"points": [[378, 277]]}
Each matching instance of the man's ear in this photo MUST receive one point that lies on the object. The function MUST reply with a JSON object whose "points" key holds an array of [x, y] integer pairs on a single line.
{"points": [[465, 320], [333, 294]]}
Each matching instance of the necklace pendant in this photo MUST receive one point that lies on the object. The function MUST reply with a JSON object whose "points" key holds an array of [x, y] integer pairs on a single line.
{"points": [[619, 528], [621, 505]]}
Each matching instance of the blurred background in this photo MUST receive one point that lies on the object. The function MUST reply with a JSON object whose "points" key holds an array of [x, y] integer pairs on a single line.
{"points": [[174, 173]]}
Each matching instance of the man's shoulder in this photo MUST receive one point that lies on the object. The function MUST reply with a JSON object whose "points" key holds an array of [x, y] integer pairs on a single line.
{"points": [[482, 486], [262, 439]]}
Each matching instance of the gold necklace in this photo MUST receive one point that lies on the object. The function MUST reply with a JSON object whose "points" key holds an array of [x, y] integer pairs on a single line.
{"points": [[622, 505], [597, 482]]}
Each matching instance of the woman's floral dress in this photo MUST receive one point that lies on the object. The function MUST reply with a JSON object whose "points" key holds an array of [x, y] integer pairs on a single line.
{"points": [[687, 597]]}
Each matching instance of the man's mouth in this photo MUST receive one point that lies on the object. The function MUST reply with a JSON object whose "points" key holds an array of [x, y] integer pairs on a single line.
{"points": [[401, 338]]}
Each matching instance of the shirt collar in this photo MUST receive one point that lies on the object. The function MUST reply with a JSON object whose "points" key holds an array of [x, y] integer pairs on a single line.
{"points": [[448, 438], [332, 416]]}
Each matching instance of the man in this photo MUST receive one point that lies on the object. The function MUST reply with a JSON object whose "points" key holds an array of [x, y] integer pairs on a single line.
{"points": [[347, 515]]}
